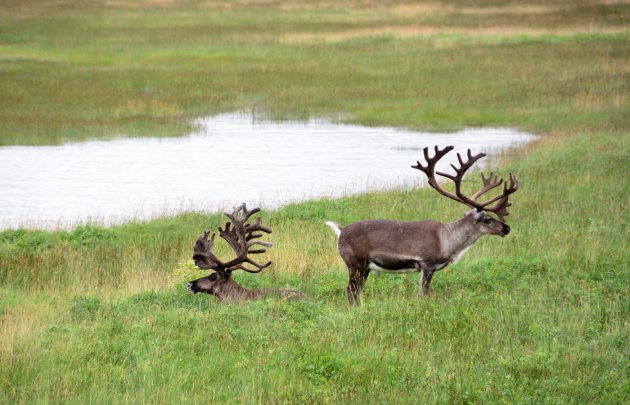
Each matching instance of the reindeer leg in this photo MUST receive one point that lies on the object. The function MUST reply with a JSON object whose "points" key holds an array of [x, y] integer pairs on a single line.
{"points": [[358, 275], [425, 282]]}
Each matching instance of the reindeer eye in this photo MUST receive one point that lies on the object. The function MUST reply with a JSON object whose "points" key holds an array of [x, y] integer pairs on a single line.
{"points": [[213, 276], [487, 220]]}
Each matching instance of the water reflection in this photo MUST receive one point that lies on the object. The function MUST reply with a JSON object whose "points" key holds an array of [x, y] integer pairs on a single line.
{"points": [[230, 158]]}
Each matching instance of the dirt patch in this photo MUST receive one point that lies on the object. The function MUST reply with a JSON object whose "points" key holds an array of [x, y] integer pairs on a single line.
{"points": [[431, 8], [140, 4], [422, 31], [514, 9], [421, 9]]}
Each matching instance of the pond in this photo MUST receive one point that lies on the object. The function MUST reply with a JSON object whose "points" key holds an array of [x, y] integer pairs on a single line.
{"points": [[230, 158]]}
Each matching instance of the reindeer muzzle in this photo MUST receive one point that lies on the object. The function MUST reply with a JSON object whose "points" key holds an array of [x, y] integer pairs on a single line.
{"points": [[506, 230]]}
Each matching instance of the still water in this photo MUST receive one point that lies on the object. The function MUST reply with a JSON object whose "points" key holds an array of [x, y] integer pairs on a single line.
{"points": [[230, 158]]}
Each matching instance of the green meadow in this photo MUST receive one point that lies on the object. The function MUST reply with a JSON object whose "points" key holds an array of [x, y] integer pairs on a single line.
{"points": [[101, 315]]}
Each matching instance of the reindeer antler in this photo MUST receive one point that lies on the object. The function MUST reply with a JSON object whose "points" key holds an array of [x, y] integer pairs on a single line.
{"points": [[488, 184], [240, 236], [500, 208], [204, 253], [429, 170]]}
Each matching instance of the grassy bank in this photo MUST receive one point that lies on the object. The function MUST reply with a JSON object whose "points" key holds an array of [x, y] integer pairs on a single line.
{"points": [[101, 315]]}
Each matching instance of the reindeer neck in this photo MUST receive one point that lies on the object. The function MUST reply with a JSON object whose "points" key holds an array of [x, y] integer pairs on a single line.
{"points": [[459, 235], [230, 290]]}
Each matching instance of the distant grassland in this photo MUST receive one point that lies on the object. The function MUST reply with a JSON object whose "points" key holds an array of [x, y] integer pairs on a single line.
{"points": [[101, 315], [76, 70]]}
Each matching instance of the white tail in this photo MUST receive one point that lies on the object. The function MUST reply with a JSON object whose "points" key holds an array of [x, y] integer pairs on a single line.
{"points": [[335, 227]]}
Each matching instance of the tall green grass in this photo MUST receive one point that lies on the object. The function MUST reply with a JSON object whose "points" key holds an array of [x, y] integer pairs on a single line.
{"points": [[101, 315], [540, 316]]}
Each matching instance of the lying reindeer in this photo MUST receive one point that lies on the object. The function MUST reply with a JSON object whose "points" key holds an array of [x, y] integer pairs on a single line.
{"points": [[239, 235], [423, 246]]}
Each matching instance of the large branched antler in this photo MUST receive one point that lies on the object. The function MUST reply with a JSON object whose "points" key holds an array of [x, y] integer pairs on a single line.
{"points": [[502, 204], [240, 236]]}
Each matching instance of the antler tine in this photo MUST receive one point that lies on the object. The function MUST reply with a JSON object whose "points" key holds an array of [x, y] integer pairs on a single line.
{"points": [[457, 178], [240, 237], [203, 253], [507, 190], [260, 267], [242, 218], [488, 184], [501, 208], [250, 235], [257, 251], [502, 201], [230, 235], [257, 226], [429, 170], [233, 241]]}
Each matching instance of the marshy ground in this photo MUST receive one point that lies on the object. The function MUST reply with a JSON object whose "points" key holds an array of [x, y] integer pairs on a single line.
{"points": [[102, 315]]}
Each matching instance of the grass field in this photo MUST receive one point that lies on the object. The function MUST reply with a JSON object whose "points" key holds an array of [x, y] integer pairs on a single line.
{"points": [[102, 316]]}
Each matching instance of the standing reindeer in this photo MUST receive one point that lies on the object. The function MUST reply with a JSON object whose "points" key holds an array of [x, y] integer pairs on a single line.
{"points": [[240, 236], [423, 246]]}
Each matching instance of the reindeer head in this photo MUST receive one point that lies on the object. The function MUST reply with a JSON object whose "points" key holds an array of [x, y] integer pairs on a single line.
{"points": [[239, 235], [483, 222], [212, 284], [486, 224]]}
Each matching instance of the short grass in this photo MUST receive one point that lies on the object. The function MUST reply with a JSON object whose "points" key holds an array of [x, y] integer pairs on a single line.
{"points": [[101, 315]]}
